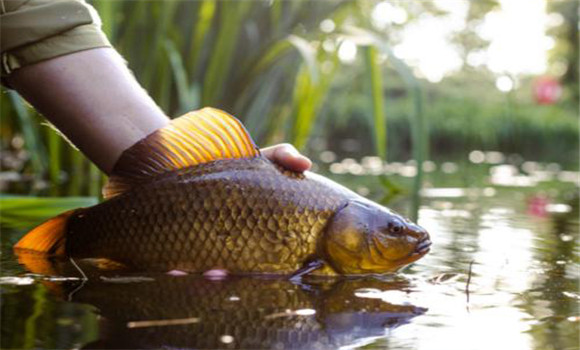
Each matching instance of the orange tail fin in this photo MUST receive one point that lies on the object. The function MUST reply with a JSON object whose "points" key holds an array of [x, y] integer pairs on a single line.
{"points": [[47, 238]]}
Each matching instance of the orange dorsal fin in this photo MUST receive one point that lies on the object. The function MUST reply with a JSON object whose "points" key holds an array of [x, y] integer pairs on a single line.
{"points": [[47, 238], [195, 138]]}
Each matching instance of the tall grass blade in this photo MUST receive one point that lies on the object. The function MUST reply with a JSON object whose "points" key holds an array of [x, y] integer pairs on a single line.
{"points": [[76, 175], [30, 327], [154, 66], [205, 15], [95, 183], [308, 54], [107, 11], [419, 132], [27, 211], [379, 116], [30, 134], [220, 64], [310, 90], [188, 98], [55, 149]]}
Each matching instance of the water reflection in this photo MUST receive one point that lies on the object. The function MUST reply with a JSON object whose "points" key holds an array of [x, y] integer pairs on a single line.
{"points": [[241, 312], [524, 269], [523, 290]]}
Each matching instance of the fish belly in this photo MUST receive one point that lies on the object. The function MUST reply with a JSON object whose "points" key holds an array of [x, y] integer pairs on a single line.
{"points": [[243, 215]]}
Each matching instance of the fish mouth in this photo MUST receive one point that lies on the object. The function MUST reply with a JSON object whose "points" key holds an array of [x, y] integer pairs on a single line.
{"points": [[423, 247]]}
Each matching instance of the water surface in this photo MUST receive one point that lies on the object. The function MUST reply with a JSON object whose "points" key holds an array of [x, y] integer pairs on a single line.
{"points": [[502, 273]]}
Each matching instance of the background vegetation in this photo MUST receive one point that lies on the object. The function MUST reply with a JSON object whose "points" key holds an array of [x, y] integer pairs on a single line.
{"points": [[276, 65]]}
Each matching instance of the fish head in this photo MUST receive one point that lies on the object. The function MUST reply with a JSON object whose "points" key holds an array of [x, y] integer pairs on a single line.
{"points": [[364, 237]]}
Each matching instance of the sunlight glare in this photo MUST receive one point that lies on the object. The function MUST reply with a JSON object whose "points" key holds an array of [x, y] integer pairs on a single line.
{"points": [[385, 14], [504, 83], [517, 36], [425, 46], [347, 51], [516, 32]]}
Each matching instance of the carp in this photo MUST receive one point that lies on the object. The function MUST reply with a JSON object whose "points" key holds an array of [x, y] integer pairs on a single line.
{"points": [[197, 195]]}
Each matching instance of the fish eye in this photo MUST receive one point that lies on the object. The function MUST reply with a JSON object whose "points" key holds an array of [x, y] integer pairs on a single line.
{"points": [[396, 226]]}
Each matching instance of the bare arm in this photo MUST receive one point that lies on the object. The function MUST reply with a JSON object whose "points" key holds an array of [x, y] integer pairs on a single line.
{"points": [[96, 102], [93, 99]]}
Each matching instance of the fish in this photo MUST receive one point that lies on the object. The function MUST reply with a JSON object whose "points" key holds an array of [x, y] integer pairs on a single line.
{"points": [[198, 195], [242, 312]]}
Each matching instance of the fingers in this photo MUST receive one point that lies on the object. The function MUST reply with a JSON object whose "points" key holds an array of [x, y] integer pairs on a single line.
{"points": [[286, 155]]}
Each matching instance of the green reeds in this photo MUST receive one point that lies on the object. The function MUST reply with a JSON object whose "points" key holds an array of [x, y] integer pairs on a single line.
{"points": [[375, 77], [29, 129], [30, 326], [27, 211], [310, 90], [419, 133], [261, 61], [55, 143]]}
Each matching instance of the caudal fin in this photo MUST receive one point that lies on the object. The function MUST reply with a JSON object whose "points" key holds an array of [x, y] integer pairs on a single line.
{"points": [[47, 238]]}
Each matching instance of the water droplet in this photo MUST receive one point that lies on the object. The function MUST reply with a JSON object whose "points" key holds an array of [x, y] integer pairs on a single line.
{"points": [[558, 208], [176, 273], [305, 312], [489, 192], [494, 157], [572, 295], [363, 191], [327, 156], [19, 281], [476, 157], [449, 167], [327, 25], [429, 166], [337, 168], [226, 339]]}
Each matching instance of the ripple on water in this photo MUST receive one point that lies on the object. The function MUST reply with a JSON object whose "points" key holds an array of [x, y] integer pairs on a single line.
{"points": [[520, 293]]}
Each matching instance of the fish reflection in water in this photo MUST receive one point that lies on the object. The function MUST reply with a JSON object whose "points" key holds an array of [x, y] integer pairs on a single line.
{"points": [[241, 312]]}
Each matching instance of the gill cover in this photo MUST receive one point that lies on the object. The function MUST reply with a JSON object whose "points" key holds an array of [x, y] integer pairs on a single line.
{"points": [[195, 138]]}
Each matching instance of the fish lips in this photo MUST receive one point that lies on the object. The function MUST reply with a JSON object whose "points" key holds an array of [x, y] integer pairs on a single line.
{"points": [[423, 246]]}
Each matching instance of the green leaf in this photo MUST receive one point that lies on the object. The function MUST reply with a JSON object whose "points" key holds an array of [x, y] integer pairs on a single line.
{"points": [[188, 97], [380, 119], [308, 53], [30, 133], [27, 211]]}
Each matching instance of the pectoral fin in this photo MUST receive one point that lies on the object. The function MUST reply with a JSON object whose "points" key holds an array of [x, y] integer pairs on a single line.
{"points": [[306, 269]]}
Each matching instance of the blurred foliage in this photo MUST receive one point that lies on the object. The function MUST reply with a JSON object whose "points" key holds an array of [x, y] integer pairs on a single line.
{"points": [[464, 112], [564, 56], [28, 211], [276, 65], [262, 61]]}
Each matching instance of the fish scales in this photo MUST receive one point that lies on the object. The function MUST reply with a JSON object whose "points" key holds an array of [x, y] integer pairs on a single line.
{"points": [[168, 208], [239, 214]]}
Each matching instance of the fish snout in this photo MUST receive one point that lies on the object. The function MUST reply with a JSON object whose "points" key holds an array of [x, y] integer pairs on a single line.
{"points": [[423, 246], [422, 237]]}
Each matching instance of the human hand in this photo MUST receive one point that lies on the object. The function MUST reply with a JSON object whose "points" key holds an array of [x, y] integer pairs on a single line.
{"points": [[288, 156]]}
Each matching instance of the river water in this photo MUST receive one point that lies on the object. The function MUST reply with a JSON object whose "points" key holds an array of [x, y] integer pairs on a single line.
{"points": [[502, 273]]}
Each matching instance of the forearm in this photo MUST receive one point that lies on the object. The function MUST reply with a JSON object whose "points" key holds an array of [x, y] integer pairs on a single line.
{"points": [[93, 99], [69, 73]]}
